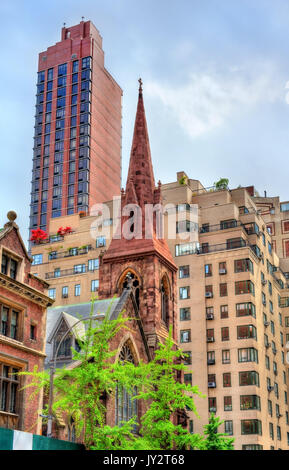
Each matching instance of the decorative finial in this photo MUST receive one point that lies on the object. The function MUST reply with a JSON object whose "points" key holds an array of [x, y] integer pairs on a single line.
{"points": [[82, 18], [11, 216], [64, 24], [140, 84]]}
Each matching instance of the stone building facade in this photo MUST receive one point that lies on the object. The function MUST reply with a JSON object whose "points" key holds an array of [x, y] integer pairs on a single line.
{"points": [[23, 303]]}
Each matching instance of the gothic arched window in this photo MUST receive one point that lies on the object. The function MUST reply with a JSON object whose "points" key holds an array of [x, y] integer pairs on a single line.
{"points": [[125, 406], [165, 301], [135, 285]]}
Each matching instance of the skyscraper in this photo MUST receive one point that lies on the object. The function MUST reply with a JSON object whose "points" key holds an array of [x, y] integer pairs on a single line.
{"points": [[77, 143]]}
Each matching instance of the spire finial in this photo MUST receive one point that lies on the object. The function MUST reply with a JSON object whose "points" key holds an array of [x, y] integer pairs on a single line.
{"points": [[140, 85]]}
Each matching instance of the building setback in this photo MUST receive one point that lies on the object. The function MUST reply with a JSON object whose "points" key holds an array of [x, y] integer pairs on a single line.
{"points": [[77, 143], [23, 303]]}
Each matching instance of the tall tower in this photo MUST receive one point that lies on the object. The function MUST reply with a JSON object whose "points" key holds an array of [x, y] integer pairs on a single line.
{"points": [[77, 143], [144, 259]]}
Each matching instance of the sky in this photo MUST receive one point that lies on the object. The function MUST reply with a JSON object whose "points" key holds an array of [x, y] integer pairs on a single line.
{"points": [[215, 81]]}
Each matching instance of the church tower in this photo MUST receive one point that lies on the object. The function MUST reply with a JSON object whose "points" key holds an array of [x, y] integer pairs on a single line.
{"points": [[139, 255]]}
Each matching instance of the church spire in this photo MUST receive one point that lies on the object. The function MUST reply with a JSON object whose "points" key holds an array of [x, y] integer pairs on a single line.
{"points": [[140, 172]]}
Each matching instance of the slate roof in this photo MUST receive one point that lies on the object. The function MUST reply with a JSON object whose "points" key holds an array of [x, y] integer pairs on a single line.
{"points": [[72, 313]]}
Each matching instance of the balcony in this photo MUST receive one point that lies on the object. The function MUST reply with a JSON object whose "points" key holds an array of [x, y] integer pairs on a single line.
{"points": [[69, 272], [52, 255], [225, 225], [230, 245]]}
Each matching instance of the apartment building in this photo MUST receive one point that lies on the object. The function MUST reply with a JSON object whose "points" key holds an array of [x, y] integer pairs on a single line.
{"points": [[231, 303], [77, 140]]}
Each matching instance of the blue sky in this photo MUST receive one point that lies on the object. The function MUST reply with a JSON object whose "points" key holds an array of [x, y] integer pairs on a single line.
{"points": [[214, 74]]}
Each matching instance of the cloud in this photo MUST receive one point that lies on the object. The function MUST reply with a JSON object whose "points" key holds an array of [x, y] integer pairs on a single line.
{"points": [[209, 99]]}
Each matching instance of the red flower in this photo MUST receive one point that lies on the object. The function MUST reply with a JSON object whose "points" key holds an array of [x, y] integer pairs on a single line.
{"points": [[38, 235]]}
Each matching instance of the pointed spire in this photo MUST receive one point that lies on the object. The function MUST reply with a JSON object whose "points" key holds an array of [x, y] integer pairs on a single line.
{"points": [[140, 172]]}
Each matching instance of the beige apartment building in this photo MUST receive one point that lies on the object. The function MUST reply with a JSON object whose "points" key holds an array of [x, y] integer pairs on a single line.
{"points": [[232, 298]]}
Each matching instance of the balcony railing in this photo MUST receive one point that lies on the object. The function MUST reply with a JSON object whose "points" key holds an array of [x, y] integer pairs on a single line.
{"points": [[69, 272], [52, 255], [230, 245]]}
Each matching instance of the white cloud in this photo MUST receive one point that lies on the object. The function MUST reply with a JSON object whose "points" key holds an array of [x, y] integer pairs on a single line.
{"points": [[209, 100]]}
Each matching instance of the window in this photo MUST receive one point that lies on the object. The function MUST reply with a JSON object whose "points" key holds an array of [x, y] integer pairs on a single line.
{"points": [[208, 270], [245, 309], [212, 405], [243, 265], [188, 379], [251, 426], [248, 378], [52, 293], [211, 380], [211, 358], [187, 249], [187, 357], [252, 447], [284, 207], [230, 223], [227, 379], [64, 292], [32, 332], [210, 336], [225, 334], [9, 324], [228, 404], [223, 290], [184, 271], [125, 406], [278, 433], [244, 287], [93, 264], [94, 285], [184, 292], [222, 267], [79, 268], [226, 356], [248, 355], [185, 314], [250, 402], [185, 336], [209, 291], [246, 332], [77, 290], [9, 386], [228, 427], [9, 266], [224, 311]]}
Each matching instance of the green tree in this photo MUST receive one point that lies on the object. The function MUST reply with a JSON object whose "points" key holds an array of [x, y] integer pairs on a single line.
{"points": [[165, 397], [81, 391], [223, 183], [215, 440]]}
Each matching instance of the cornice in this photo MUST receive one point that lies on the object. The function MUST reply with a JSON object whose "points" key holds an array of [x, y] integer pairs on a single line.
{"points": [[25, 291]]}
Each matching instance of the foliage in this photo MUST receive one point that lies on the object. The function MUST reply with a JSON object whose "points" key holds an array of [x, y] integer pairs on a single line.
{"points": [[166, 397], [223, 183], [215, 440], [64, 230], [80, 391], [183, 180]]}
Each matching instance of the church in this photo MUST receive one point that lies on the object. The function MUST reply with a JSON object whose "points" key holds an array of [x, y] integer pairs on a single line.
{"points": [[137, 275]]}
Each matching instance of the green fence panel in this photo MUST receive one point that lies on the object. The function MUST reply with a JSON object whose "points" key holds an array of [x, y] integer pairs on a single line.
{"points": [[46, 443], [6, 439]]}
